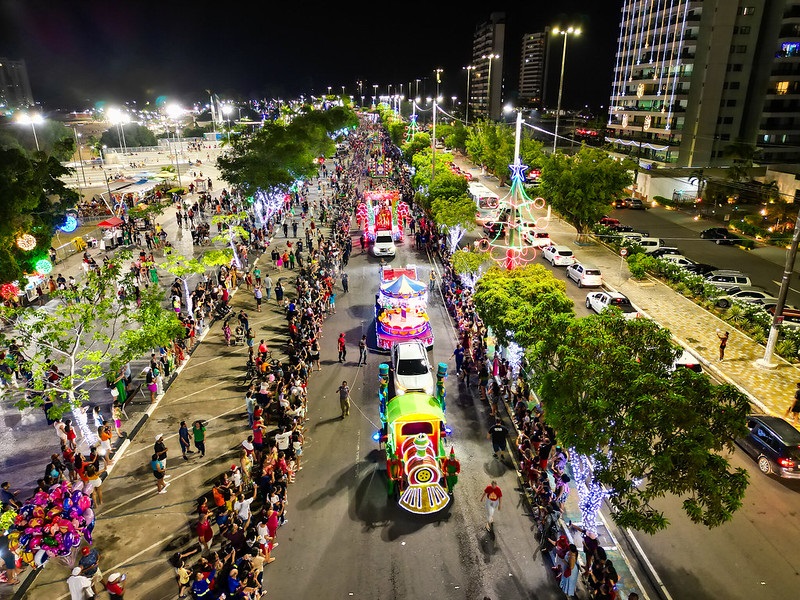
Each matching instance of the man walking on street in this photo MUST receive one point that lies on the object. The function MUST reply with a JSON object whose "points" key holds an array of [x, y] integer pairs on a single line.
{"points": [[340, 343], [80, 586], [345, 283], [362, 351], [344, 399], [498, 434], [492, 495]]}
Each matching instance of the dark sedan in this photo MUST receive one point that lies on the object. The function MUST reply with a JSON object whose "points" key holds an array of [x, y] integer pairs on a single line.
{"points": [[774, 444], [700, 268], [719, 235]]}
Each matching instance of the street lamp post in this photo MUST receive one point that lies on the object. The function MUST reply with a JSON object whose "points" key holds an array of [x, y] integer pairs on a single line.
{"points": [[226, 110], [32, 120], [566, 33], [490, 58], [80, 157], [374, 93], [468, 69], [438, 73]]}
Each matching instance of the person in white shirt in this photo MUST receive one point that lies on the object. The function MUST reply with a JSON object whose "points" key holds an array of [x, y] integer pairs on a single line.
{"points": [[80, 586], [242, 507], [282, 439]]}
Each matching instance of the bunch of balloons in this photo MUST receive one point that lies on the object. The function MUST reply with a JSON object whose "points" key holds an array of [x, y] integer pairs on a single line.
{"points": [[52, 524]]}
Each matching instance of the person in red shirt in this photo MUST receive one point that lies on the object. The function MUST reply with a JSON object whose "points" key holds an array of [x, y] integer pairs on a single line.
{"points": [[340, 343], [492, 495], [115, 586], [205, 534]]}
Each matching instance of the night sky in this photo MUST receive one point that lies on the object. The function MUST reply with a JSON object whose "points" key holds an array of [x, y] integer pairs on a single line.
{"points": [[82, 52]]}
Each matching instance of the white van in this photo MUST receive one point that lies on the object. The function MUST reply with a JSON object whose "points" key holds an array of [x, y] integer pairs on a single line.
{"points": [[650, 244], [384, 244]]}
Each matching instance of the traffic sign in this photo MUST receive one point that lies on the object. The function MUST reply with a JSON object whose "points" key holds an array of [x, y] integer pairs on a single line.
{"points": [[623, 251]]}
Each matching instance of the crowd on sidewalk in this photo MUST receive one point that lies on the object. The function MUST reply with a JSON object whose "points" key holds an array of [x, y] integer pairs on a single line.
{"points": [[238, 521]]}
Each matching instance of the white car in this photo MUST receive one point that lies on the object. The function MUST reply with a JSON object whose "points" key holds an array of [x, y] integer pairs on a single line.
{"points": [[753, 296], [677, 259], [558, 256], [411, 368], [599, 301], [537, 239], [384, 245], [585, 275]]}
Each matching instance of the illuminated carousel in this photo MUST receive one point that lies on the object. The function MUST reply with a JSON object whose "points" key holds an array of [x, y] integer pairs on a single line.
{"points": [[401, 314]]}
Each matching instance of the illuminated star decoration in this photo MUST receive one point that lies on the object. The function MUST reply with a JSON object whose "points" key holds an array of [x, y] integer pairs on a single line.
{"points": [[508, 248]]}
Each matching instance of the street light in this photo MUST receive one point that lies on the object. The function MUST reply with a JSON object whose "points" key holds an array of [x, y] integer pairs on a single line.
{"points": [[490, 58], [32, 120], [226, 110], [118, 118], [468, 69], [566, 33], [174, 112], [374, 93], [438, 73], [80, 157]]}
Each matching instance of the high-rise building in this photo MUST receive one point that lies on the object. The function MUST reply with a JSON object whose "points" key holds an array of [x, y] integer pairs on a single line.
{"points": [[532, 69], [15, 89], [486, 82], [694, 78]]}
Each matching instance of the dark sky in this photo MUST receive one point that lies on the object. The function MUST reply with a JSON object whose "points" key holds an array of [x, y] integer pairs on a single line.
{"points": [[84, 51]]}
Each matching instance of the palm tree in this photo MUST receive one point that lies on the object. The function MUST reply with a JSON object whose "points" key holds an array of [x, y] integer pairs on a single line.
{"points": [[741, 155]]}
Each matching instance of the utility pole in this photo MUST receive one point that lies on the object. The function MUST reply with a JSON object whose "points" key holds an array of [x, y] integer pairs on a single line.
{"points": [[777, 318]]}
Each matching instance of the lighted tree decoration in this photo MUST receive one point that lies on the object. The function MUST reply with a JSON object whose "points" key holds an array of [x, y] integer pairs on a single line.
{"points": [[43, 266], [413, 128], [507, 246], [26, 242], [70, 224]]}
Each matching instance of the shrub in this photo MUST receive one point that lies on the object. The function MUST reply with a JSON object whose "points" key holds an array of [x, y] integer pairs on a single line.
{"points": [[749, 244]]}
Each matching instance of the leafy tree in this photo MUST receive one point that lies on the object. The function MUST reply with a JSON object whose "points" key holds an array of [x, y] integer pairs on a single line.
{"points": [[92, 332], [636, 431], [454, 215], [581, 187], [133, 134], [527, 306], [421, 141], [278, 154], [33, 198], [741, 156]]}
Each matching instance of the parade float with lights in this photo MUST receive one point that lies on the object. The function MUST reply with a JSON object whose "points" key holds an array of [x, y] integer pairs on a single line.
{"points": [[401, 309], [413, 433], [382, 210]]}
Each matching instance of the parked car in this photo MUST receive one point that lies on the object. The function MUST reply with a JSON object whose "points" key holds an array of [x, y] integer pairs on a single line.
{"points": [[677, 259], [411, 368], [630, 236], [727, 279], [493, 228], [701, 269], [636, 204], [599, 301], [774, 444], [384, 245], [620, 228], [664, 250], [608, 221], [753, 295], [585, 275], [687, 360], [720, 235], [558, 256], [650, 244], [537, 239]]}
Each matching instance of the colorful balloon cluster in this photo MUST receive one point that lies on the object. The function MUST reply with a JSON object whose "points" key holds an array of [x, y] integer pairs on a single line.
{"points": [[52, 524]]}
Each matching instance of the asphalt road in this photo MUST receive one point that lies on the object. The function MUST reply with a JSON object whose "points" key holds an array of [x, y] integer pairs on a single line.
{"points": [[763, 266]]}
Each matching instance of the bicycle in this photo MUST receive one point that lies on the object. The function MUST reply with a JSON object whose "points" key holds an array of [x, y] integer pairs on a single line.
{"points": [[251, 374]]}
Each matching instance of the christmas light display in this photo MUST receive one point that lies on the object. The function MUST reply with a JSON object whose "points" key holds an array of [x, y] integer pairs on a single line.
{"points": [[9, 291], [26, 242], [454, 235], [70, 224], [43, 266], [516, 215], [514, 355]]}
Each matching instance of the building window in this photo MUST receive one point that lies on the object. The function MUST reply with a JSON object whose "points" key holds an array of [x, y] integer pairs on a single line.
{"points": [[730, 102], [743, 30], [736, 68], [747, 10], [782, 87]]}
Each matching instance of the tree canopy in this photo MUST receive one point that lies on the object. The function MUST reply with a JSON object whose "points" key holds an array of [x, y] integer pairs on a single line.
{"points": [[644, 430], [522, 305], [582, 187], [88, 335], [133, 136], [278, 154], [33, 199]]}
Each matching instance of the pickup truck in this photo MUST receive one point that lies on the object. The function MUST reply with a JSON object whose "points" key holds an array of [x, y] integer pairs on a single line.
{"points": [[599, 301]]}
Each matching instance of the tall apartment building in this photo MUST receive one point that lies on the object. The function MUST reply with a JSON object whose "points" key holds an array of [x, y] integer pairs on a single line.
{"points": [[15, 89], [694, 76], [532, 69], [486, 79]]}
